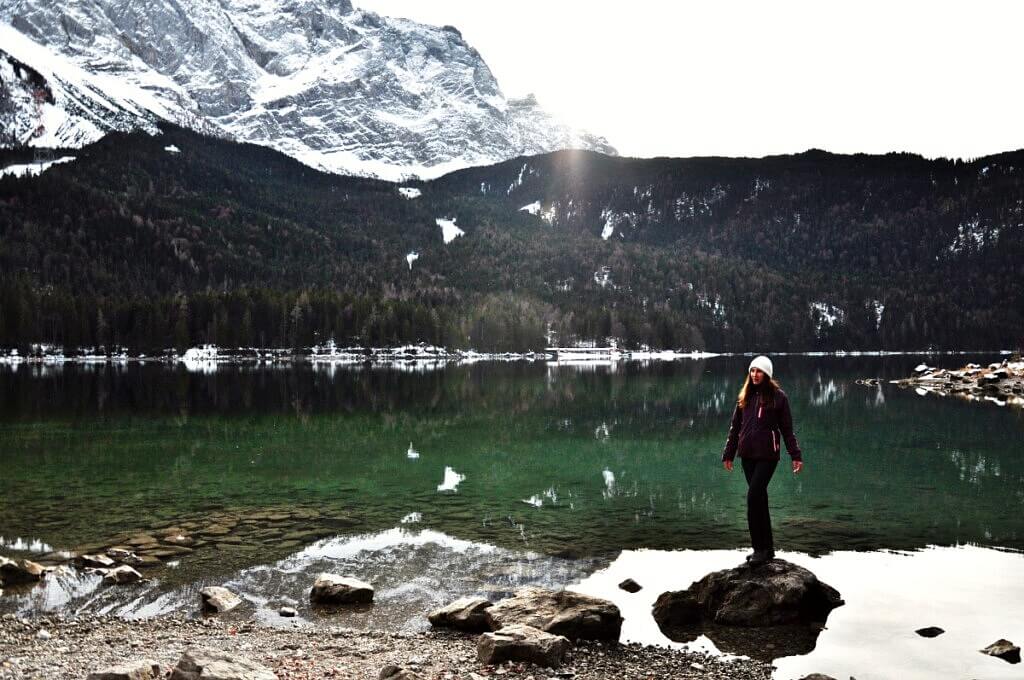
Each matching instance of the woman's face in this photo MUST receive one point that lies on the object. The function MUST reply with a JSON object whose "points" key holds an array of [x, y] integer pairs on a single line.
{"points": [[756, 375]]}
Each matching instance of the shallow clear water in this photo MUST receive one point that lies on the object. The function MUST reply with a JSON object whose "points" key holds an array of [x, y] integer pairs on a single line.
{"points": [[485, 477]]}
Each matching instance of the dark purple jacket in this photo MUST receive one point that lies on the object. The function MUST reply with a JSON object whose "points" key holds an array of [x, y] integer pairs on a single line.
{"points": [[758, 430]]}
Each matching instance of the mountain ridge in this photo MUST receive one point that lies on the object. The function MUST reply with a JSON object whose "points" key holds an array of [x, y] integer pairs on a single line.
{"points": [[339, 88]]}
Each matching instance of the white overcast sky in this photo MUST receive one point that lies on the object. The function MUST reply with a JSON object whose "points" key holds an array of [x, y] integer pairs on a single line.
{"points": [[731, 78]]}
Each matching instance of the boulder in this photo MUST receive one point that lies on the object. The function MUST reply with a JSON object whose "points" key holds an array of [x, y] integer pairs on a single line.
{"points": [[930, 631], [467, 613], [1004, 649], [204, 664], [630, 586], [121, 575], [774, 593], [217, 599], [398, 673], [287, 612], [817, 676], [22, 571], [140, 670], [765, 612], [517, 642], [560, 612], [334, 589]]}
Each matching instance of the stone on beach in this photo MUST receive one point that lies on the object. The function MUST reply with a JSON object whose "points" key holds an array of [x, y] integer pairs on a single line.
{"points": [[518, 642], [1004, 649], [467, 613], [218, 599], [561, 612], [335, 589], [204, 664], [398, 673], [22, 571], [140, 670]]}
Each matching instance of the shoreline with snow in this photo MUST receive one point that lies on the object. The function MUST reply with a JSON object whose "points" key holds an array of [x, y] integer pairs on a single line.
{"points": [[999, 383], [208, 358]]}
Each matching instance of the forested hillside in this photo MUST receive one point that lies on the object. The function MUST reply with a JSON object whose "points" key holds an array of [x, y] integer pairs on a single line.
{"points": [[135, 245]]}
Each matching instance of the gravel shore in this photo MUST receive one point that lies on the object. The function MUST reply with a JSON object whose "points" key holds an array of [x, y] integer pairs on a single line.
{"points": [[49, 648]]}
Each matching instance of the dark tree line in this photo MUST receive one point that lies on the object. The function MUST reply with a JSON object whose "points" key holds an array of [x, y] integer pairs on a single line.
{"points": [[240, 246]]}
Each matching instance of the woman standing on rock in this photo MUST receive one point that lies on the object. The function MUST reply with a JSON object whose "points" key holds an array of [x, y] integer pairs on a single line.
{"points": [[760, 422]]}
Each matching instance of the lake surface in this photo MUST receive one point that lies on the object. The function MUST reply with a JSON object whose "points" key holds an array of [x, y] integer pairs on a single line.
{"points": [[478, 479]]}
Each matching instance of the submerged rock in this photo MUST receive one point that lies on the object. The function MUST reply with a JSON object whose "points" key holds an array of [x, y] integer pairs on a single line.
{"points": [[467, 613], [930, 631], [121, 575], [94, 561], [630, 586], [334, 589], [771, 610], [204, 664], [522, 643], [1004, 649], [217, 599], [561, 612], [140, 670]]}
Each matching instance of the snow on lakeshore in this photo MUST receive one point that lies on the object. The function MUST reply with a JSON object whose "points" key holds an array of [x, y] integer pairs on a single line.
{"points": [[448, 229], [33, 169]]}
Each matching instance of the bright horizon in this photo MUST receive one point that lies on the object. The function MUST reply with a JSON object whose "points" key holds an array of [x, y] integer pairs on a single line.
{"points": [[748, 78]]}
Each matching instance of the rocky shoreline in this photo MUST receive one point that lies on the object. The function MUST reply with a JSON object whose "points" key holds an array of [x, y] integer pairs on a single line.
{"points": [[54, 648], [1001, 383]]}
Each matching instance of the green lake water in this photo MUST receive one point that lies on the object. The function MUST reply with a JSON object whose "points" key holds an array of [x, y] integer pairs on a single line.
{"points": [[479, 478]]}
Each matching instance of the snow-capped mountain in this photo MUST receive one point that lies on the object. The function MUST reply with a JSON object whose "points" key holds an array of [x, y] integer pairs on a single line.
{"points": [[336, 87]]}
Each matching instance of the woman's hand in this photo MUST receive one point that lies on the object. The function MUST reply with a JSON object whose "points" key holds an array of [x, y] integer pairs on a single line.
{"points": [[798, 465], [728, 465]]}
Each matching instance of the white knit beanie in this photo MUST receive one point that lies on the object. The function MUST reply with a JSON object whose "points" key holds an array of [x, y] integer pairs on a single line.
{"points": [[762, 362]]}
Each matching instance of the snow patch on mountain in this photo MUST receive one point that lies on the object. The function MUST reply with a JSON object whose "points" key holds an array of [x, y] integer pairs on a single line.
{"points": [[410, 192], [33, 169], [449, 231]]}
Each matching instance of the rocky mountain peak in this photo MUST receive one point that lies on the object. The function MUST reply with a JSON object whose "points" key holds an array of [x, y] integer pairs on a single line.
{"points": [[338, 88]]}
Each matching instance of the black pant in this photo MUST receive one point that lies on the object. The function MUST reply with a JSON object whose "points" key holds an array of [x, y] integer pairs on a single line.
{"points": [[759, 473]]}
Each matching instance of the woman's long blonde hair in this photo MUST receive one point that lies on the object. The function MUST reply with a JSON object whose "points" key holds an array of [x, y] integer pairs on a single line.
{"points": [[769, 385]]}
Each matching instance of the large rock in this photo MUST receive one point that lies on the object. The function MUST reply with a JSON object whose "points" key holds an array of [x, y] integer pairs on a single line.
{"points": [[334, 589], [560, 612], [204, 664], [140, 670], [1004, 649], [121, 575], [467, 613], [775, 593], [765, 612], [217, 599], [517, 642], [22, 571]]}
